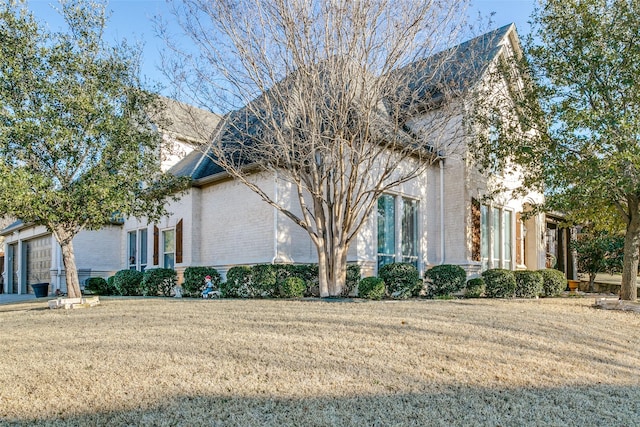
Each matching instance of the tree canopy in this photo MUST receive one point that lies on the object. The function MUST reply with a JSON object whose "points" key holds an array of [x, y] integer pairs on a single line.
{"points": [[79, 140], [577, 121]]}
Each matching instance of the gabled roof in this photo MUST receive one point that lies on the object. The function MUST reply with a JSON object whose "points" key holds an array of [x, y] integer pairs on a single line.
{"points": [[188, 123], [450, 72], [458, 68]]}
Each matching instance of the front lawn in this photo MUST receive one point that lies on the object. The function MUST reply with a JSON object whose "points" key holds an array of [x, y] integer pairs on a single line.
{"points": [[314, 363]]}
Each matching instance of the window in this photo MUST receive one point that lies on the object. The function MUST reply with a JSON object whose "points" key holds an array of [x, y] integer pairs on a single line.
{"points": [[507, 239], [397, 230], [168, 248], [386, 230], [137, 254], [496, 234], [496, 237], [410, 231], [484, 236]]}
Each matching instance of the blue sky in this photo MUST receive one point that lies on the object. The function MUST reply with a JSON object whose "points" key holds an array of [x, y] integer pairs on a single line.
{"points": [[132, 20]]}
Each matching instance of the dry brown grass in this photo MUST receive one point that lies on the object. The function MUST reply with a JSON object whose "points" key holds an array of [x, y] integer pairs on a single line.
{"points": [[201, 362]]}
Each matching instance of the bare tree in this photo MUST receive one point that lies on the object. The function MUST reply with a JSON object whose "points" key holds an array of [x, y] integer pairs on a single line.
{"points": [[324, 94]]}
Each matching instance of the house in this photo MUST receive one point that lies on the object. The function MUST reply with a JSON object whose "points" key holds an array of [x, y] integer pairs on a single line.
{"points": [[32, 254], [441, 216]]}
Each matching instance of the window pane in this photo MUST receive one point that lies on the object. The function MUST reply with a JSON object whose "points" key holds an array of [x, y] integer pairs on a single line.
{"points": [[386, 229], [168, 239], [484, 236], [143, 248], [132, 248], [410, 231], [507, 246], [495, 234]]}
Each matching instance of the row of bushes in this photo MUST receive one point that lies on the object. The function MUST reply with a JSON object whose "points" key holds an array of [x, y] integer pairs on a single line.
{"points": [[396, 280], [262, 280], [400, 280], [500, 283], [153, 282], [280, 280]]}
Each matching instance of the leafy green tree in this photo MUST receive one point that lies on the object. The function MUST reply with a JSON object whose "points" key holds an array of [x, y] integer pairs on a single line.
{"points": [[78, 134], [599, 251], [576, 125]]}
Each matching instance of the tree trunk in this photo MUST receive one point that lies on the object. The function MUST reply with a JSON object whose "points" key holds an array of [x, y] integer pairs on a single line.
{"points": [[628, 288], [65, 239], [592, 279], [332, 271]]}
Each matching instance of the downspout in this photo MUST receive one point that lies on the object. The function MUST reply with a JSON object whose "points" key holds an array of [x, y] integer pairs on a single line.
{"points": [[442, 246], [59, 265], [275, 220]]}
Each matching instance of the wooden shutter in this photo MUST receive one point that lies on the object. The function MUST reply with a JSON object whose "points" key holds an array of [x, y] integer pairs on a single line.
{"points": [[475, 230], [179, 242], [156, 245]]}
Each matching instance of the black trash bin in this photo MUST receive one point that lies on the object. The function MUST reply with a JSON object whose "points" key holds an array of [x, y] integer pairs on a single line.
{"points": [[40, 289]]}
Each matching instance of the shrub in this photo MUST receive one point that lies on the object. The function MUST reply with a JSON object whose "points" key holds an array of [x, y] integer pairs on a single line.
{"points": [[292, 287], [308, 273], [353, 278], [263, 280], [127, 282], [553, 282], [194, 280], [158, 280], [475, 288], [499, 283], [97, 286], [238, 284], [402, 279], [111, 287], [528, 283], [371, 288], [444, 280]]}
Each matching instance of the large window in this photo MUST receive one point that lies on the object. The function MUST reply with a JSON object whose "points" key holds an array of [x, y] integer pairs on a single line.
{"points": [[168, 248], [410, 231], [496, 237], [484, 236], [507, 239], [397, 230], [137, 255], [386, 229]]}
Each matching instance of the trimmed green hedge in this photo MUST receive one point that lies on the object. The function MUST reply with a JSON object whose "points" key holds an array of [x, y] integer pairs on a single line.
{"points": [[444, 280], [475, 288], [402, 279], [158, 280], [528, 284], [127, 282], [499, 283], [292, 287], [371, 288], [97, 286], [264, 280], [554, 282], [238, 284]]}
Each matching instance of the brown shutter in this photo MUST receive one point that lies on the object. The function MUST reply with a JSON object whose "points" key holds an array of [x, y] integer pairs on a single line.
{"points": [[519, 240], [475, 230], [179, 242], [156, 245]]}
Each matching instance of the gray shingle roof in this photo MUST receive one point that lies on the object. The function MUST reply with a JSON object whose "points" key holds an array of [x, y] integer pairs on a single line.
{"points": [[460, 67], [450, 72]]}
